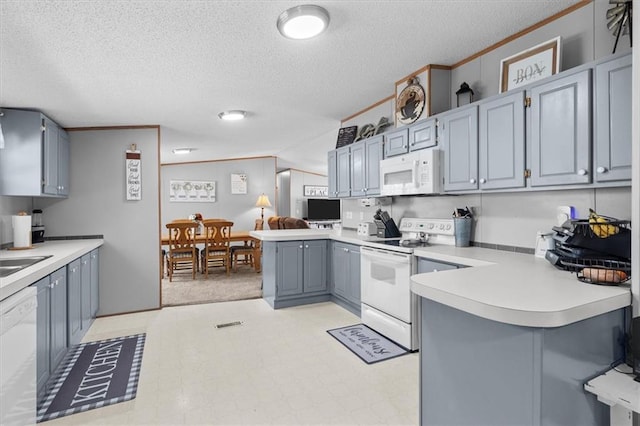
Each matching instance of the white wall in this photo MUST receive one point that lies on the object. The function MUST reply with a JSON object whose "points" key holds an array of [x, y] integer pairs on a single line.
{"points": [[635, 220], [239, 208], [129, 259], [297, 199]]}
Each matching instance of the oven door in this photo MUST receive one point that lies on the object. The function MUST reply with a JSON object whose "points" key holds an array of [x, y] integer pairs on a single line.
{"points": [[385, 281]]}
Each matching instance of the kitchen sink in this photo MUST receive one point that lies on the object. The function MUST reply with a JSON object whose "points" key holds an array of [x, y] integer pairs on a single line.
{"points": [[15, 264]]}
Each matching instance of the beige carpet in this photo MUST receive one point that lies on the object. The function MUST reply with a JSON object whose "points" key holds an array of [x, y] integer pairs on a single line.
{"points": [[240, 285]]}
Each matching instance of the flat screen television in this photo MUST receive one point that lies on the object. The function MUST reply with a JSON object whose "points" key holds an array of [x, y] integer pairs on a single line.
{"points": [[323, 209]]}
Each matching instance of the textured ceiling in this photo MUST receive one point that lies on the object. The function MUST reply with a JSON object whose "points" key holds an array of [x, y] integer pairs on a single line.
{"points": [[179, 63]]}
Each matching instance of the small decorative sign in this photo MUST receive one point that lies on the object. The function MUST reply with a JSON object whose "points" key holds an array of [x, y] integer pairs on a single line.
{"points": [[369, 130], [530, 65], [316, 191], [238, 183], [195, 191], [133, 179], [410, 102], [346, 136]]}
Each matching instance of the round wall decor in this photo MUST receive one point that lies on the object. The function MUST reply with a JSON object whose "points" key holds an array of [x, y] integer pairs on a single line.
{"points": [[410, 102]]}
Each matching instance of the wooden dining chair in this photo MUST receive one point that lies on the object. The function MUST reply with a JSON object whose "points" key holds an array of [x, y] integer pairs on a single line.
{"points": [[216, 248], [249, 251], [182, 248]]}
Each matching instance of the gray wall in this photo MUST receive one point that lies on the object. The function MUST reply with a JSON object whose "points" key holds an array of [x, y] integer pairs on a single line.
{"points": [[297, 199], [239, 208], [129, 259], [8, 207]]}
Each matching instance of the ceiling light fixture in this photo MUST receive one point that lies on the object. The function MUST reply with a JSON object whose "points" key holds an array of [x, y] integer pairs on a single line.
{"points": [[233, 115], [181, 151], [302, 22]]}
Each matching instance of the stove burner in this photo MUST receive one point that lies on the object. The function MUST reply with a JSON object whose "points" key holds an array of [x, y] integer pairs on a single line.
{"points": [[413, 242]]}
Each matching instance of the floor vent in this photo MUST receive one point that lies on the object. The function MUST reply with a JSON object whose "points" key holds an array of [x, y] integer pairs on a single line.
{"points": [[228, 324]]}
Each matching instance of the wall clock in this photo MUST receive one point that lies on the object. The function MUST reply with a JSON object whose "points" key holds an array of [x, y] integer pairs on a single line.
{"points": [[410, 102]]}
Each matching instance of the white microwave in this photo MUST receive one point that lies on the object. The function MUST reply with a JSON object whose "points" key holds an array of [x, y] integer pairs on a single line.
{"points": [[414, 173]]}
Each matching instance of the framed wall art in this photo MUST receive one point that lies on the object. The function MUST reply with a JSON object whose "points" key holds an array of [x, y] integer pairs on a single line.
{"points": [[316, 191], [194, 191], [530, 65], [238, 183]]}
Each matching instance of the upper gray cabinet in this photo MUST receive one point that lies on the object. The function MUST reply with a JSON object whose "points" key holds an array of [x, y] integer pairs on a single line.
{"points": [[459, 136], [561, 130], [612, 143], [422, 135], [501, 156], [35, 160], [354, 170], [396, 142]]}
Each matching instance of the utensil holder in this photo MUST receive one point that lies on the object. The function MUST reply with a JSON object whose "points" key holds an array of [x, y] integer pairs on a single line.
{"points": [[462, 231]]}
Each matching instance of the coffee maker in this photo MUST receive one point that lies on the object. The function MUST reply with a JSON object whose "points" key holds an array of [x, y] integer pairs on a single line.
{"points": [[37, 227]]}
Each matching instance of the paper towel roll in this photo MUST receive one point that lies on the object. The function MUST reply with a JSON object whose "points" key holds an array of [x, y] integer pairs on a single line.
{"points": [[21, 231]]}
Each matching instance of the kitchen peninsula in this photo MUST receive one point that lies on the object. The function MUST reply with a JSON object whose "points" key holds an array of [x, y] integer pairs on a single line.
{"points": [[512, 340]]}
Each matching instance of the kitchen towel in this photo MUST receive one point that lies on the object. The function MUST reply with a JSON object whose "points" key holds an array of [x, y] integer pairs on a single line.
{"points": [[21, 231]]}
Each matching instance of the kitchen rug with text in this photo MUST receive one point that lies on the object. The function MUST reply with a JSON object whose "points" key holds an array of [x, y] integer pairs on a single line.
{"points": [[93, 375], [370, 346]]}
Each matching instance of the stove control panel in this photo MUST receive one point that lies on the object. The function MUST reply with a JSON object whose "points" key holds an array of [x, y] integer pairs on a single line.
{"points": [[427, 226]]}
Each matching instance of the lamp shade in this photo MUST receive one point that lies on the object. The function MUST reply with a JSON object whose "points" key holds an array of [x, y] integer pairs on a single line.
{"points": [[263, 201]]}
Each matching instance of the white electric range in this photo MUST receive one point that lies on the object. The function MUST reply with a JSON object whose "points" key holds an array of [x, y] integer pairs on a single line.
{"points": [[386, 265]]}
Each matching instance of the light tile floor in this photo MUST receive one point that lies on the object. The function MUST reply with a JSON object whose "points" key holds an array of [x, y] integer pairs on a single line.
{"points": [[280, 367]]}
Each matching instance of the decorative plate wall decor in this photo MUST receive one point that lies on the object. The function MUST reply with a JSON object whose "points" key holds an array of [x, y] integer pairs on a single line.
{"points": [[410, 102]]}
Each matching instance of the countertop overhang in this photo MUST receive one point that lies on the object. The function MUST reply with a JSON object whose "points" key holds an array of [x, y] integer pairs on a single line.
{"points": [[62, 252], [507, 287]]}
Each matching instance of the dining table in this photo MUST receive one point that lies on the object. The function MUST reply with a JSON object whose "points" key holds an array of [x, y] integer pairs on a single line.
{"points": [[236, 236]]}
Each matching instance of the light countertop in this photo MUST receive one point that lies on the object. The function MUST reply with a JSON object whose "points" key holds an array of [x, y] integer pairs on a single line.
{"points": [[63, 252], [507, 287]]}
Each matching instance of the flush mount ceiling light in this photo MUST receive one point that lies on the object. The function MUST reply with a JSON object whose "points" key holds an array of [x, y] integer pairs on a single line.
{"points": [[302, 22], [233, 115], [182, 151]]}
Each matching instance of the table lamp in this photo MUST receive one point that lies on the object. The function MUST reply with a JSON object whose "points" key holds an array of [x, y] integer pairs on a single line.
{"points": [[263, 201]]}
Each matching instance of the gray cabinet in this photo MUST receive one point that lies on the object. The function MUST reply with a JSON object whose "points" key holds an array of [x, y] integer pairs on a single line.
{"points": [[95, 283], [422, 134], [343, 161], [82, 303], [396, 142], [339, 172], [459, 136], [85, 292], [612, 115], [35, 160], [74, 302], [345, 271], [354, 170], [43, 333], [501, 149], [428, 265], [51, 325], [365, 166], [560, 143], [294, 272]]}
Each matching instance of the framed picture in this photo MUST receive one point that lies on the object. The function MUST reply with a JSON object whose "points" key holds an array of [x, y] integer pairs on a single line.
{"points": [[530, 65], [316, 191], [346, 136]]}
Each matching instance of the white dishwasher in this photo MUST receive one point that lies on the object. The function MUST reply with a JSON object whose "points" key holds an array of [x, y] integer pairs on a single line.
{"points": [[18, 358]]}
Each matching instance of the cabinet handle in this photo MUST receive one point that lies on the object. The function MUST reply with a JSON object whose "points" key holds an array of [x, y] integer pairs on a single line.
{"points": [[300, 246], [472, 180], [582, 172], [601, 169], [345, 249], [482, 180], [306, 246], [51, 285]]}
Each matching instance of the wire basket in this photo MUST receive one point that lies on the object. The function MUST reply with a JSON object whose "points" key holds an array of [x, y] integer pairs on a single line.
{"points": [[618, 243], [599, 271]]}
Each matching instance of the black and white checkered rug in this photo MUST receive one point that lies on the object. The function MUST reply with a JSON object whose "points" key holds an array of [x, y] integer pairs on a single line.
{"points": [[94, 375]]}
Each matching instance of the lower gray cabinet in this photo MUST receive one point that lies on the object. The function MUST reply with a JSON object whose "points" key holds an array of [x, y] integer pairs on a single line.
{"points": [[51, 325], [428, 265], [74, 302], [95, 282], [345, 275], [82, 295], [294, 272]]}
